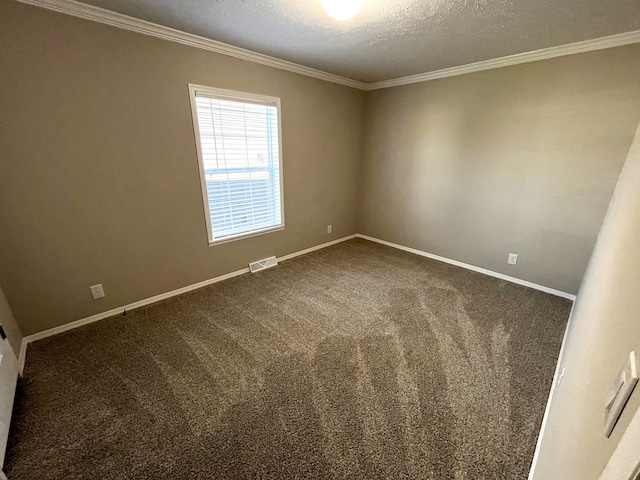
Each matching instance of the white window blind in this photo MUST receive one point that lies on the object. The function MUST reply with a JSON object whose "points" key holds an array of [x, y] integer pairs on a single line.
{"points": [[239, 156]]}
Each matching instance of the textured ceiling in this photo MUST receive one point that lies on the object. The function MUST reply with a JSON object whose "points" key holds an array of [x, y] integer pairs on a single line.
{"points": [[389, 38]]}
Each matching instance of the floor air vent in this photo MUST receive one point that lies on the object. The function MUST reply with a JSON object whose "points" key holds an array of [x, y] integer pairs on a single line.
{"points": [[262, 264]]}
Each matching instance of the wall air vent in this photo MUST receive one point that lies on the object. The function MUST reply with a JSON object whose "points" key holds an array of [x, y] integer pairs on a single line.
{"points": [[262, 264]]}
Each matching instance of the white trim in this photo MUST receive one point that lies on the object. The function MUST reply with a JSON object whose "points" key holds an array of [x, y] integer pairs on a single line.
{"points": [[8, 384], [100, 15], [556, 376], [233, 95], [624, 463], [252, 233], [141, 303], [317, 247], [552, 391], [117, 311], [526, 57], [203, 179], [23, 356], [472, 267]]}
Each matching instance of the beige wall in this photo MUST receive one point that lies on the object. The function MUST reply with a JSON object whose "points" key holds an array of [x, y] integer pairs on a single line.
{"points": [[521, 159], [98, 169], [605, 327], [99, 176]]}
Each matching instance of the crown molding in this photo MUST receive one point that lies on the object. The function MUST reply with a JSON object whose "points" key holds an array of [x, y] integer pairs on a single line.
{"points": [[100, 15], [96, 14], [533, 56]]}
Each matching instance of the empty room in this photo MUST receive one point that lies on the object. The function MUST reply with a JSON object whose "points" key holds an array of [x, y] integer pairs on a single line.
{"points": [[319, 239]]}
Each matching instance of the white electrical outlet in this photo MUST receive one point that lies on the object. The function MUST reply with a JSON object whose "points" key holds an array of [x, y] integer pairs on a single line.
{"points": [[513, 258], [329, 228], [97, 291]]}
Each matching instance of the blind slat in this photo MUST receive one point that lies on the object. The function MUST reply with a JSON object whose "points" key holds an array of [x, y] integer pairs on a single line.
{"points": [[240, 153]]}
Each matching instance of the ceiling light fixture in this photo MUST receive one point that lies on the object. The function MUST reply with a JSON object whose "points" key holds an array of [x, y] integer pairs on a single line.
{"points": [[342, 9]]}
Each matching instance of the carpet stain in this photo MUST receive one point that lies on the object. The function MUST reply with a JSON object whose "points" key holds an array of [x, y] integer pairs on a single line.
{"points": [[357, 361]]}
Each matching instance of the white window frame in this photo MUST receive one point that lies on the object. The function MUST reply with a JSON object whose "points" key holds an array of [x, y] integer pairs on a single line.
{"points": [[244, 97]]}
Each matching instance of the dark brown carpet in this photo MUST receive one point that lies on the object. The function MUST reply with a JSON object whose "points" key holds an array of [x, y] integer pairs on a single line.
{"points": [[357, 361]]}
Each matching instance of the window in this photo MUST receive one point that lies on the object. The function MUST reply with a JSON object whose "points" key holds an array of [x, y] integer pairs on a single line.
{"points": [[238, 142]]}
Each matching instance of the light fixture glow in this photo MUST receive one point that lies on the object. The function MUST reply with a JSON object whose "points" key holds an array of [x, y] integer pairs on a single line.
{"points": [[342, 9]]}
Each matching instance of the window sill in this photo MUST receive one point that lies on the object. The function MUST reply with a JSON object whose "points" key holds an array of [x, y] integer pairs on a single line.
{"points": [[241, 236]]}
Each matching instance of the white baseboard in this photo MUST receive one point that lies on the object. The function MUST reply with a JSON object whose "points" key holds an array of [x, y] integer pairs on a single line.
{"points": [[472, 267], [141, 303], [317, 247], [554, 387], [518, 281]]}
